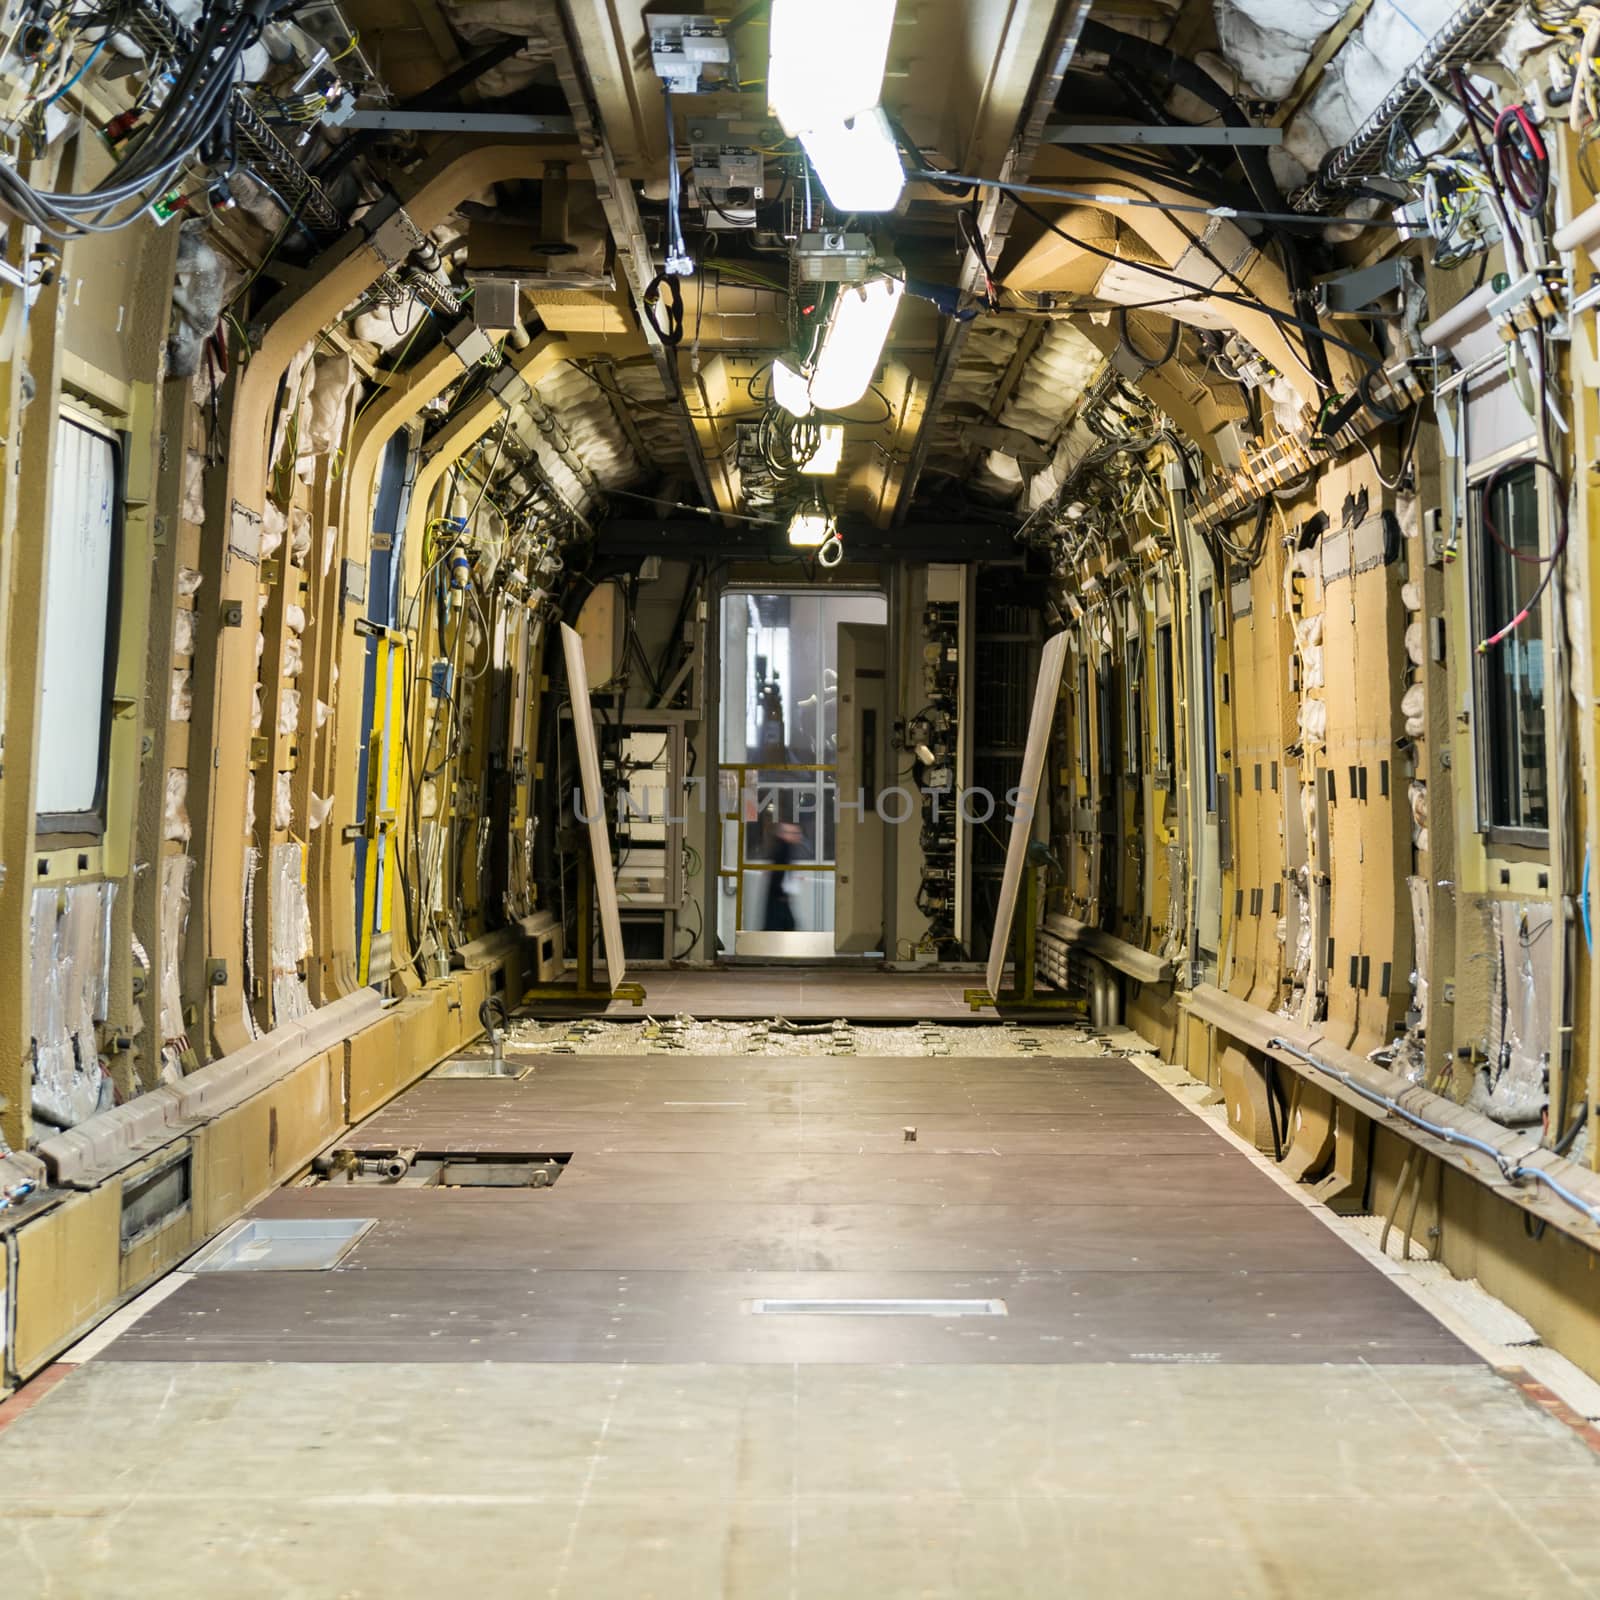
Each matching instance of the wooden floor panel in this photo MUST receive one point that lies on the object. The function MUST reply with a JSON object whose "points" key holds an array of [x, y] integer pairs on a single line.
{"points": [[1114, 1224]]}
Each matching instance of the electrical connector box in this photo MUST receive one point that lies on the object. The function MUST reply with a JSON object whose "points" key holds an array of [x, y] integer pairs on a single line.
{"points": [[494, 304], [831, 257], [682, 47], [724, 159], [441, 679]]}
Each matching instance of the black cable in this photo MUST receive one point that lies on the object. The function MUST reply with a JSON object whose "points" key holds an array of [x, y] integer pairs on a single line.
{"points": [[1534, 559], [195, 108], [1103, 201], [1167, 68], [672, 334], [1125, 340], [1524, 162]]}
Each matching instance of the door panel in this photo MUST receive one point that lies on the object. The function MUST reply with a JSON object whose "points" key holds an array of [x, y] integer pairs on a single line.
{"points": [[863, 655]]}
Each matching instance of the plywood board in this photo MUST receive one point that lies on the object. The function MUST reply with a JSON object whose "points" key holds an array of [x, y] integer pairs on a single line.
{"points": [[594, 805], [1051, 660]]}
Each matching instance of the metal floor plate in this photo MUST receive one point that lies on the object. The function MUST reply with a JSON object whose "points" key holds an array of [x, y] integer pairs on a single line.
{"points": [[282, 1244]]}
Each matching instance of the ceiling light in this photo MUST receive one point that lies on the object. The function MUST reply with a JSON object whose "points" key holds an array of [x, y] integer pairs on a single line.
{"points": [[858, 329], [858, 162], [827, 59], [811, 525], [825, 458], [790, 390]]}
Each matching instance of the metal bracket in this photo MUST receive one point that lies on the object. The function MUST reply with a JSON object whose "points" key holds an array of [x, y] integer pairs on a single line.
{"points": [[1137, 133], [509, 387], [401, 120], [1358, 293], [391, 234], [244, 533], [468, 342]]}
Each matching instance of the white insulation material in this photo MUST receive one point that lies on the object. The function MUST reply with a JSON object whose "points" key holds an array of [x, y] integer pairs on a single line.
{"points": [[1052, 383], [650, 411], [175, 809], [336, 377], [175, 874], [290, 934], [1511, 1086], [1269, 43], [1414, 708], [1421, 941], [274, 524], [990, 346], [485, 22], [71, 981], [1042, 404], [583, 414]]}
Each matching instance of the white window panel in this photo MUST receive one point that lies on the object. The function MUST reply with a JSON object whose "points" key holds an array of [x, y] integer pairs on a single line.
{"points": [[77, 607]]}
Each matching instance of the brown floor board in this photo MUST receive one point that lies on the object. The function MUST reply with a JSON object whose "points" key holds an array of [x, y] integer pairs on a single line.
{"points": [[687, 1317]]}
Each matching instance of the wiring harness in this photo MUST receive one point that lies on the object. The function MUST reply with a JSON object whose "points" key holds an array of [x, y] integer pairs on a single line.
{"points": [[192, 119]]}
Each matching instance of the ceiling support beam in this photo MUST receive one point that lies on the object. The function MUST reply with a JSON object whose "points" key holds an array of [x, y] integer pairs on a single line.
{"points": [[1224, 258], [1160, 133], [632, 246], [403, 120], [996, 213]]}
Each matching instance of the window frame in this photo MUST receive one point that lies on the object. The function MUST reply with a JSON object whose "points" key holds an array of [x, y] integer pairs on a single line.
{"points": [[1133, 676], [1481, 625], [93, 823], [1208, 631], [1165, 645]]}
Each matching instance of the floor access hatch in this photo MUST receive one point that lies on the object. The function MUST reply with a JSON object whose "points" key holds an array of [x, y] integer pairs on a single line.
{"points": [[282, 1244]]}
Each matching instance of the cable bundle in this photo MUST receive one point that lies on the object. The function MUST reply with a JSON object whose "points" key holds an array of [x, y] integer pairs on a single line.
{"points": [[787, 443], [194, 110]]}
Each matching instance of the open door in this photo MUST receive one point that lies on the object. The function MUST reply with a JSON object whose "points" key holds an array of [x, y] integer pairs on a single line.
{"points": [[1025, 814], [859, 846]]}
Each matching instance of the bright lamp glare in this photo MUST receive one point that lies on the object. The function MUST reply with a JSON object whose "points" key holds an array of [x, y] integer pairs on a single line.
{"points": [[809, 527], [858, 162], [857, 332], [790, 390], [825, 459], [827, 60]]}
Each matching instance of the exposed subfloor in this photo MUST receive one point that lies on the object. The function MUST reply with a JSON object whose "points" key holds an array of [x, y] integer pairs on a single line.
{"points": [[1195, 1388], [804, 994]]}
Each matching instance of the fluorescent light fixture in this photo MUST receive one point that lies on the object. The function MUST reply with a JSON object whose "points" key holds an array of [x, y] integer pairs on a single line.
{"points": [[858, 162], [858, 329], [810, 526], [828, 454], [790, 390], [827, 59]]}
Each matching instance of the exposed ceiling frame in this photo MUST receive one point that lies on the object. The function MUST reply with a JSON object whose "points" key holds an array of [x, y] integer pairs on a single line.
{"points": [[1032, 338], [438, 32], [627, 229], [996, 214]]}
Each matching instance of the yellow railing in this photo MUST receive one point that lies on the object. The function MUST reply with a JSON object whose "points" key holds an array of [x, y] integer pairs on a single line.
{"points": [[741, 865]]}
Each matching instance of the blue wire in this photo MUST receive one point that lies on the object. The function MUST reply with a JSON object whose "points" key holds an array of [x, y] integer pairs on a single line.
{"points": [[88, 61], [1588, 913], [1512, 1170]]}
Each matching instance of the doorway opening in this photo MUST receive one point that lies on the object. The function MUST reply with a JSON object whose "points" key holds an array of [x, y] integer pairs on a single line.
{"points": [[802, 721]]}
